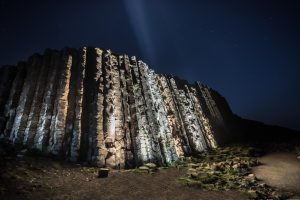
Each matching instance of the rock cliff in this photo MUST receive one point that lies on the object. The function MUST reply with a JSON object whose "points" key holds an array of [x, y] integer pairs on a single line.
{"points": [[94, 106]]}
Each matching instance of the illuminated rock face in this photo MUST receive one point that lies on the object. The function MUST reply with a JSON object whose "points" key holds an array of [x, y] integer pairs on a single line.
{"points": [[108, 110]]}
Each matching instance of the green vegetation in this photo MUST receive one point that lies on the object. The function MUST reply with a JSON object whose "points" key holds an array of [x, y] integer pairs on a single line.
{"points": [[228, 169]]}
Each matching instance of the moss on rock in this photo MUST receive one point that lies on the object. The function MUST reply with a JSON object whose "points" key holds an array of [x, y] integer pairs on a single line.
{"points": [[228, 169]]}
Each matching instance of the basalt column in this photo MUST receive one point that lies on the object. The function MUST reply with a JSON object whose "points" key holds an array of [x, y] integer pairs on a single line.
{"points": [[93, 106]]}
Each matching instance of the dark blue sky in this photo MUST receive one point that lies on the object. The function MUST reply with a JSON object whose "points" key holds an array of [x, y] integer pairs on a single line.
{"points": [[247, 50]]}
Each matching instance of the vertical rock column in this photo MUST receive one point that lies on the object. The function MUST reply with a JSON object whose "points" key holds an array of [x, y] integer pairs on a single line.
{"points": [[144, 150], [214, 106], [132, 146], [88, 101], [173, 116], [77, 127], [36, 104], [58, 121], [157, 115], [213, 113], [41, 139], [7, 75], [186, 143], [156, 144], [108, 115], [120, 136], [127, 147], [14, 96], [204, 121], [205, 128], [70, 118], [192, 126], [98, 149], [25, 101], [210, 103], [114, 134]]}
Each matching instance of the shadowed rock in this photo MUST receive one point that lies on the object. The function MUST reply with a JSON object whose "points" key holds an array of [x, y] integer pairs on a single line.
{"points": [[109, 110]]}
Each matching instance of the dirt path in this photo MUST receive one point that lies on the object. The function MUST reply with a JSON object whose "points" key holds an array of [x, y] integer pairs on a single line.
{"points": [[280, 170], [35, 177], [41, 178], [127, 185]]}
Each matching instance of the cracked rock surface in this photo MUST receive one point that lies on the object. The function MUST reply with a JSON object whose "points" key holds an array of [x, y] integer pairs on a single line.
{"points": [[91, 105]]}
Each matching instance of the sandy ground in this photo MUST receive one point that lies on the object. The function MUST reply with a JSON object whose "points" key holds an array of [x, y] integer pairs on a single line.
{"points": [[281, 170]]}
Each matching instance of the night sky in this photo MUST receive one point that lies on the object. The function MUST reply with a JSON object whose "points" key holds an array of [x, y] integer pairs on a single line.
{"points": [[249, 51]]}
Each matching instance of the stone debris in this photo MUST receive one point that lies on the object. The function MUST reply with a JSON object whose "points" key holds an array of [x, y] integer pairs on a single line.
{"points": [[92, 106], [228, 169], [148, 168], [144, 168], [151, 165]]}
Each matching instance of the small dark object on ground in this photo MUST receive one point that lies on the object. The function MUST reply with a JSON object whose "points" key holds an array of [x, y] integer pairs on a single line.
{"points": [[103, 173]]}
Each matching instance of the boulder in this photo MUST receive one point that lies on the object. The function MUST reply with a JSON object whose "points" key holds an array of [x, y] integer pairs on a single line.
{"points": [[144, 169], [151, 165]]}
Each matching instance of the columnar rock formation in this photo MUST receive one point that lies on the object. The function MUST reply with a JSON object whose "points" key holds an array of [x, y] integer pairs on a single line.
{"points": [[108, 110]]}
